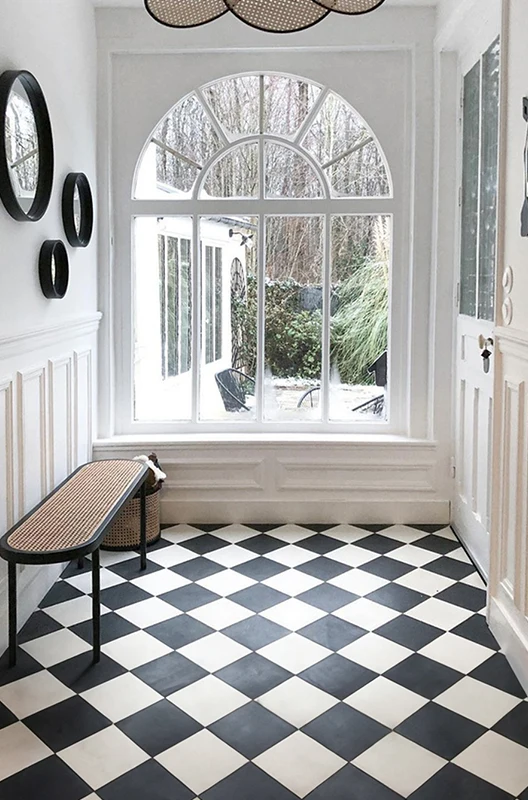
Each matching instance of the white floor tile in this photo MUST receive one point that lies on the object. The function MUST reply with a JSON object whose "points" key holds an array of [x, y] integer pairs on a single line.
{"points": [[440, 614], [358, 582], [180, 533], [299, 763], [169, 556], [221, 613], [235, 533], [460, 555], [226, 582], [456, 652], [108, 557], [366, 614], [83, 582], [19, 749], [446, 533], [415, 556], [352, 556], [148, 612], [208, 700], [297, 701], [34, 693], [403, 533], [201, 761], [294, 653], [400, 764], [121, 697], [292, 582], [478, 701], [375, 652], [293, 614], [56, 647], [160, 582], [474, 580], [135, 649], [425, 582], [497, 760], [214, 651], [103, 757], [73, 611], [386, 701], [292, 555], [231, 556], [347, 533], [290, 533]]}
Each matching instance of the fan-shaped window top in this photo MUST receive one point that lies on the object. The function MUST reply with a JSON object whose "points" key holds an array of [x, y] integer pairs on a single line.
{"points": [[328, 148]]}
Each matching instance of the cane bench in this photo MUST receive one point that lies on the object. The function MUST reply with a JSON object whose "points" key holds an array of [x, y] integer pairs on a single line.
{"points": [[70, 523]]}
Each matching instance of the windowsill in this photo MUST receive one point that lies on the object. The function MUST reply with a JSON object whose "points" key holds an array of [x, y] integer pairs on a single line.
{"points": [[239, 438]]}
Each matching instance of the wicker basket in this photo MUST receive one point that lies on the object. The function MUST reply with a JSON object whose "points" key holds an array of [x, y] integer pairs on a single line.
{"points": [[124, 533]]}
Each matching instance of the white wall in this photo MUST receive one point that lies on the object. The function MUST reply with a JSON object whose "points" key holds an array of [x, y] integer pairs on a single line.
{"points": [[47, 347]]}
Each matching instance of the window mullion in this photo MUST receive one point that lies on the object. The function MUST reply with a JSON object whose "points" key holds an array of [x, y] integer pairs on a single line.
{"points": [[327, 278], [261, 317], [196, 317]]}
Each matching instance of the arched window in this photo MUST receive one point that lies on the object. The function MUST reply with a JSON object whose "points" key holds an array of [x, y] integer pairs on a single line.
{"points": [[262, 287]]}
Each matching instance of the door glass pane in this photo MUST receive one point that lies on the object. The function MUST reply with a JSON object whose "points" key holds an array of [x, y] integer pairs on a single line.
{"points": [[163, 318], [470, 192], [293, 317], [229, 318], [235, 175], [488, 182], [289, 175], [361, 254]]}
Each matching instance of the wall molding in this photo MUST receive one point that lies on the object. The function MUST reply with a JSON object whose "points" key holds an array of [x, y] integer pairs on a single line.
{"points": [[80, 357], [41, 337], [6, 389], [55, 365], [24, 379]]}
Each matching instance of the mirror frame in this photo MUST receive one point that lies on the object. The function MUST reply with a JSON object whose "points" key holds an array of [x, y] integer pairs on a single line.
{"points": [[81, 238], [54, 289], [45, 139]]}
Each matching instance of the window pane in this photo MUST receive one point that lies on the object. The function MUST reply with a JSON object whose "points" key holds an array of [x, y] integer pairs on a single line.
{"points": [[361, 248], [236, 103], [489, 182], [293, 317], [287, 104], [289, 175], [342, 143], [163, 318], [470, 192], [235, 175], [229, 318]]}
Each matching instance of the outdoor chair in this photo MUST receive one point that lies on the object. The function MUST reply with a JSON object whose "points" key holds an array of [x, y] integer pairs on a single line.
{"points": [[232, 385]]}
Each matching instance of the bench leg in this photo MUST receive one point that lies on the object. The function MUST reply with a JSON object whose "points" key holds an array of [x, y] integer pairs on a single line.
{"points": [[12, 591], [80, 563], [143, 527], [96, 603]]}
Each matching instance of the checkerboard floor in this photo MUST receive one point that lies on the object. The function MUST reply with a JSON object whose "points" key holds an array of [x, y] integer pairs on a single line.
{"points": [[267, 663]]}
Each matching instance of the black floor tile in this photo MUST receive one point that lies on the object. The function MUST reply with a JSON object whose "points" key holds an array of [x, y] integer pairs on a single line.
{"points": [[253, 675], [345, 731], [187, 598], [332, 632], [6, 717], [80, 673], [179, 631], [441, 731], [400, 598], [113, 627], [515, 725], [352, 784], [437, 544], [124, 594], [208, 527], [204, 544], [423, 676], [372, 527], [464, 596], [25, 666], [260, 568], [409, 632], [263, 544], [318, 528], [73, 568], [258, 597], [319, 543], [327, 597], [47, 780], [453, 782], [476, 630], [265, 527], [66, 723], [324, 568], [39, 624], [338, 676], [197, 568], [387, 567], [132, 569], [170, 673], [255, 632], [450, 568], [429, 528], [247, 783], [379, 544], [59, 593], [149, 781], [159, 727], [251, 730], [497, 672]]}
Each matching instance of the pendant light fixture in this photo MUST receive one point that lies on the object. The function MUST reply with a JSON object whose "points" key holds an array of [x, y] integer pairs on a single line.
{"points": [[273, 16]]}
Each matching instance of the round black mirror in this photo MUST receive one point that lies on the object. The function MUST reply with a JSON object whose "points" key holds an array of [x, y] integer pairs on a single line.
{"points": [[77, 209], [54, 269], [26, 147]]}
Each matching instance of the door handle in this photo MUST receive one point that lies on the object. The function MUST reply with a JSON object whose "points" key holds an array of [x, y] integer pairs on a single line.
{"points": [[486, 353]]}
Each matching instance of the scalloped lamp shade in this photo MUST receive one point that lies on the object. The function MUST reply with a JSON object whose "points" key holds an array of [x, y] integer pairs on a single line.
{"points": [[274, 16]]}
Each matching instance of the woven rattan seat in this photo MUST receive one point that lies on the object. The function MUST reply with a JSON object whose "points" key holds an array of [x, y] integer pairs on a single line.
{"points": [[71, 522]]}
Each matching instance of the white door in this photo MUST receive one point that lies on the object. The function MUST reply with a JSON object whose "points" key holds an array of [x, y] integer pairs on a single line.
{"points": [[476, 308]]}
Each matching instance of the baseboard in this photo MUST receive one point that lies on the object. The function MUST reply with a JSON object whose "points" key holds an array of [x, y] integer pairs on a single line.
{"points": [[173, 511], [512, 639], [33, 585]]}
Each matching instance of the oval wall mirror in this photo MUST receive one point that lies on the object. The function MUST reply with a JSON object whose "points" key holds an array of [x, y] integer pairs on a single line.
{"points": [[26, 147], [77, 209], [54, 269]]}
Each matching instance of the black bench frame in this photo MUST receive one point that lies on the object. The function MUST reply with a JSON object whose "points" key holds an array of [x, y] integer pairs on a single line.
{"points": [[92, 545]]}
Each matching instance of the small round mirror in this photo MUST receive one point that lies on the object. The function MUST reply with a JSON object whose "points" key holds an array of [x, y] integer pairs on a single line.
{"points": [[26, 147], [77, 209], [54, 270]]}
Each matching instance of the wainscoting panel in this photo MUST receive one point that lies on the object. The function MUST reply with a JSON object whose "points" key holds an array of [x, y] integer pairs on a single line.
{"points": [[84, 403], [6, 455], [60, 427], [32, 442]]}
